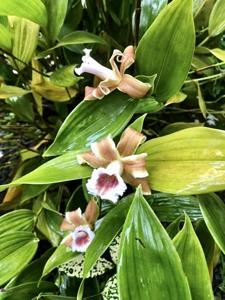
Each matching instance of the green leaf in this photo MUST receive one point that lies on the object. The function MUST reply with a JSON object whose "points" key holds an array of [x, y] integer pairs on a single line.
{"points": [[5, 38], [149, 266], [60, 256], [33, 10], [22, 219], [217, 18], [108, 230], [197, 6], [201, 102], [11, 91], [168, 207], [91, 121], [187, 162], [59, 169], [177, 98], [16, 250], [75, 38], [32, 272], [27, 291], [64, 76], [138, 123], [149, 11], [148, 105], [56, 10], [25, 38], [194, 262], [168, 55], [53, 297], [17, 105], [213, 211]]}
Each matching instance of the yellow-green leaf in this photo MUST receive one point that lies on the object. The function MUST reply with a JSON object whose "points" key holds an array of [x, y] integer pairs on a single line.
{"points": [[5, 38], [187, 162], [25, 38], [11, 91], [218, 53]]}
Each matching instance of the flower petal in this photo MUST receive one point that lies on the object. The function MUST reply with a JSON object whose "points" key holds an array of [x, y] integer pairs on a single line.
{"points": [[105, 150], [135, 165], [82, 237], [117, 55], [138, 181], [133, 87], [128, 59], [106, 185], [92, 212], [129, 141], [68, 240], [91, 159], [75, 217], [66, 226]]}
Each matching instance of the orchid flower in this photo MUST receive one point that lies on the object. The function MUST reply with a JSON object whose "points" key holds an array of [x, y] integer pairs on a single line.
{"points": [[80, 227], [114, 165], [114, 78]]}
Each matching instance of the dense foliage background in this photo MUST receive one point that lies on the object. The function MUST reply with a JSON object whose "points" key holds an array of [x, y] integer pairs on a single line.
{"points": [[173, 242]]}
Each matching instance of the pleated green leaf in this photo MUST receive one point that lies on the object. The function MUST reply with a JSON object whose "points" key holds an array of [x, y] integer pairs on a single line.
{"points": [[167, 47], [59, 169], [16, 250], [56, 10], [194, 262], [217, 18], [22, 219], [5, 38], [91, 121], [33, 10], [61, 255], [25, 38], [187, 162], [213, 211], [149, 266], [168, 207], [28, 291]]}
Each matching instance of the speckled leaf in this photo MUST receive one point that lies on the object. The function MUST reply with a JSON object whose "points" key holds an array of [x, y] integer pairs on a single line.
{"points": [[91, 121], [168, 55], [187, 162], [213, 211], [144, 245], [33, 10], [16, 250], [194, 263]]}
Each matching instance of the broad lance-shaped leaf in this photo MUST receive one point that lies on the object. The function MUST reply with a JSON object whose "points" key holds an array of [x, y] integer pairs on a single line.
{"points": [[213, 211], [217, 18], [33, 10], [91, 121], [5, 38], [149, 266], [187, 162], [167, 47], [194, 262], [108, 230], [59, 169], [16, 250], [56, 10]]}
